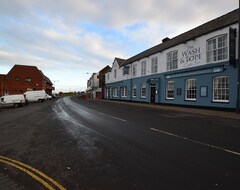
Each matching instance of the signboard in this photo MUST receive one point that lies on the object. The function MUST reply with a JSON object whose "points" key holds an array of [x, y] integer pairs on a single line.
{"points": [[197, 72], [191, 56], [232, 46]]}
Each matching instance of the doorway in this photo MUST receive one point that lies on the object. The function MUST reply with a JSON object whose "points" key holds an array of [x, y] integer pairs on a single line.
{"points": [[153, 94]]}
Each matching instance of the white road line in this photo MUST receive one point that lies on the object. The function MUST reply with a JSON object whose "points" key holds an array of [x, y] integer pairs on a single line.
{"points": [[113, 117], [197, 142]]}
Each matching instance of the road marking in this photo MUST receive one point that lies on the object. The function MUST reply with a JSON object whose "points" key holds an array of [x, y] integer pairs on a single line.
{"points": [[113, 117], [197, 142], [21, 166]]}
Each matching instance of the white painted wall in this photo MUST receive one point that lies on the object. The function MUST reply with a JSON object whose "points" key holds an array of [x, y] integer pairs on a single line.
{"points": [[199, 45]]}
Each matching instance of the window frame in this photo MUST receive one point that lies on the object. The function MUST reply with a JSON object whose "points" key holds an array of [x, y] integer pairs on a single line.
{"points": [[143, 68], [143, 90], [193, 92], [154, 65], [170, 90], [124, 91], [115, 92], [225, 88], [213, 50], [172, 60], [134, 91], [134, 70]]}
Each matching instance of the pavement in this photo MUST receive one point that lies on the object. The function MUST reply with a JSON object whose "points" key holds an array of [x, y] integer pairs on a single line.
{"points": [[200, 111]]}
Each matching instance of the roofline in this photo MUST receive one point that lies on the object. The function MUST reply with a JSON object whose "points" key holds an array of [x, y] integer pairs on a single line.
{"points": [[213, 25]]}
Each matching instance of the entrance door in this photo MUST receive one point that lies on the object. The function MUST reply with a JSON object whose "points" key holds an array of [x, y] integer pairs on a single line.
{"points": [[153, 93]]}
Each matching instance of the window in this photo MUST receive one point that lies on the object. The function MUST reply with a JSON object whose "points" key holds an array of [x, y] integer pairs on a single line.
{"points": [[124, 91], [217, 48], [143, 90], [115, 92], [134, 90], [154, 65], [29, 79], [108, 76], [143, 68], [170, 90], [221, 89], [17, 78], [126, 70], [115, 73], [191, 89], [172, 60], [134, 70]]}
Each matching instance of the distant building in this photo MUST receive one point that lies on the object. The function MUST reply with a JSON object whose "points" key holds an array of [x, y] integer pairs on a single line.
{"points": [[93, 86], [96, 84], [22, 78]]}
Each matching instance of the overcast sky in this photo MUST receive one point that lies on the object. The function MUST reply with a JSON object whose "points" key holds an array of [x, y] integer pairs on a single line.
{"points": [[68, 38]]}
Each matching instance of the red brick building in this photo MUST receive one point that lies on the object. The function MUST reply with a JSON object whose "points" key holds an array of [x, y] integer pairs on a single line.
{"points": [[22, 78]]}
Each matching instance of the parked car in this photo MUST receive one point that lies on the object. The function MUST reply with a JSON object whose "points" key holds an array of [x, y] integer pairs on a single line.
{"points": [[36, 96], [48, 97], [13, 100]]}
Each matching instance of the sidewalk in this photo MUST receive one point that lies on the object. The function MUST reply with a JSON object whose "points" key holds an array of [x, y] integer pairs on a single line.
{"points": [[199, 111]]}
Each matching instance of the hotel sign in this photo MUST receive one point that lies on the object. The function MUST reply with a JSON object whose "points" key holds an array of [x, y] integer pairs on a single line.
{"points": [[191, 56], [232, 46], [197, 72]]}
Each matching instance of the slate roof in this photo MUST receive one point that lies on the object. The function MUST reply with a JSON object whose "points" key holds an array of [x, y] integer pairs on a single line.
{"points": [[216, 24], [120, 61]]}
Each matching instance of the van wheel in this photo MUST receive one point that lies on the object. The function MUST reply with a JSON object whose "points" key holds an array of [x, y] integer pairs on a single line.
{"points": [[16, 105], [39, 100]]}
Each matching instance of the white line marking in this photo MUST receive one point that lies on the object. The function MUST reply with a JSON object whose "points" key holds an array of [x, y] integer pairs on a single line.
{"points": [[113, 117], [197, 142]]}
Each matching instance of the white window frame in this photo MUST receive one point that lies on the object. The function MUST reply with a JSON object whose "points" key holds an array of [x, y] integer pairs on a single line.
{"points": [[134, 92], [172, 60], [221, 89], [217, 48], [191, 94], [115, 92], [134, 70], [143, 90], [124, 91], [154, 65], [170, 90], [143, 68], [115, 73]]}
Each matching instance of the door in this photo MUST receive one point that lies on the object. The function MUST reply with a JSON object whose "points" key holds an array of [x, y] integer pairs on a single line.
{"points": [[153, 93]]}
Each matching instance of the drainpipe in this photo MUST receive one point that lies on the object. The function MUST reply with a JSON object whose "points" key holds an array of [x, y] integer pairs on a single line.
{"points": [[238, 66]]}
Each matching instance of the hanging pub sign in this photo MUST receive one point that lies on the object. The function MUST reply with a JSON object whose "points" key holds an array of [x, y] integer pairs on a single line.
{"points": [[232, 46]]}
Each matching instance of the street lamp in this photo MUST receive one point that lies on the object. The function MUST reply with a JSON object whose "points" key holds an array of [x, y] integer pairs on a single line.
{"points": [[54, 81]]}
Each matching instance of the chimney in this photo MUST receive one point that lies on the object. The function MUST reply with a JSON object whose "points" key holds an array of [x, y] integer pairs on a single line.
{"points": [[165, 39]]}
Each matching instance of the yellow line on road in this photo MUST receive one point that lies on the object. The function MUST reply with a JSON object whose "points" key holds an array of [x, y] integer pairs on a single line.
{"points": [[29, 173], [14, 164]]}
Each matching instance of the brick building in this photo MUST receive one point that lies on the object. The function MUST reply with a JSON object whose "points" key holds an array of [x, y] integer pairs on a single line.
{"points": [[22, 78]]}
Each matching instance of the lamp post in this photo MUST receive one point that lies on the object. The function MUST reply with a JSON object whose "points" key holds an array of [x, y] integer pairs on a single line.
{"points": [[54, 81]]}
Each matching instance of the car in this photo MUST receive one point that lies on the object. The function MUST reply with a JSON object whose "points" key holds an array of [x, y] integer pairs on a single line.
{"points": [[48, 97], [36, 96], [15, 100]]}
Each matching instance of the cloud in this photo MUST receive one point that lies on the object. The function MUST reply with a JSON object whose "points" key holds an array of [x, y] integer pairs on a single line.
{"points": [[85, 36]]}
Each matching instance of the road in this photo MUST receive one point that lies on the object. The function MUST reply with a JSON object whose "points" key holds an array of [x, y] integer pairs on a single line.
{"points": [[103, 145]]}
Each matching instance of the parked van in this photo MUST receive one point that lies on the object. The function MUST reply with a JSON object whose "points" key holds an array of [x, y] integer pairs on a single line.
{"points": [[36, 96], [13, 100]]}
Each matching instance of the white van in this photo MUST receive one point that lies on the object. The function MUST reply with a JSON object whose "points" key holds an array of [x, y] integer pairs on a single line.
{"points": [[13, 100], [36, 96]]}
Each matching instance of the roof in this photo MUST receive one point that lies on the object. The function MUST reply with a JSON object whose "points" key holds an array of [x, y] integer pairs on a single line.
{"points": [[120, 61], [216, 24]]}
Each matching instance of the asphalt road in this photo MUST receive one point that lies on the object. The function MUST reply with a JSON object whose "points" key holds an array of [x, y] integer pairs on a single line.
{"points": [[103, 145]]}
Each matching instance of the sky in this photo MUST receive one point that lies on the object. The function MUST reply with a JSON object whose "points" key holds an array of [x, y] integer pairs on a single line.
{"points": [[71, 39]]}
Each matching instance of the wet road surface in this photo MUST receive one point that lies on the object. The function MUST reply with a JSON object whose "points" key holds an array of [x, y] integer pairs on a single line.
{"points": [[100, 145]]}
